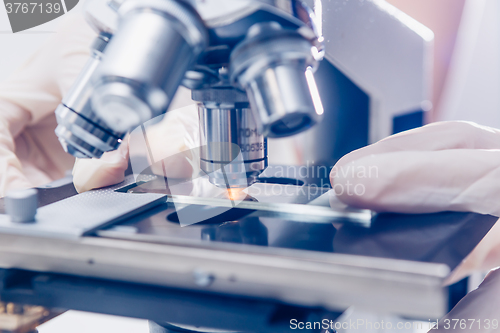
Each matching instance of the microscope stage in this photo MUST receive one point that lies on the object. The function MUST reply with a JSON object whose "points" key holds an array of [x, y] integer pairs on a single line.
{"points": [[300, 247]]}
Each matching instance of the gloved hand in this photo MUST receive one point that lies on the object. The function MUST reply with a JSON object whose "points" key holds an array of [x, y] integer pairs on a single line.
{"points": [[177, 132], [477, 312], [30, 154], [453, 166], [447, 166]]}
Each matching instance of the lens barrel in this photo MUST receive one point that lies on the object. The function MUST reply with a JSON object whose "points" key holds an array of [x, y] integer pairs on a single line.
{"points": [[156, 43], [271, 65]]}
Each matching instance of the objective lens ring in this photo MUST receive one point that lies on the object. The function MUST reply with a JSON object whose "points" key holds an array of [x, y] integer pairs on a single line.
{"points": [[75, 146], [104, 139], [83, 135]]}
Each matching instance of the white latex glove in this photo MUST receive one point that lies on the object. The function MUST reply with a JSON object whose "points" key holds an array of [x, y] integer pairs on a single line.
{"points": [[448, 166], [30, 154], [477, 312], [176, 133]]}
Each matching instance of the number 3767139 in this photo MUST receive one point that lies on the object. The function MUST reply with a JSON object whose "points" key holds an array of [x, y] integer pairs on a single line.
{"points": [[470, 324], [32, 7]]}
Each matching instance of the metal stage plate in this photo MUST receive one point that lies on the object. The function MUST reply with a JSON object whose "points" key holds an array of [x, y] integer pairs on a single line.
{"points": [[297, 250]]}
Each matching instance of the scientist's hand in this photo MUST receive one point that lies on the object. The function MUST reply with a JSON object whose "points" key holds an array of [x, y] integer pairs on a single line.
{"points": [[447, 166], [478, 311], [176, 133], [30, 154]]}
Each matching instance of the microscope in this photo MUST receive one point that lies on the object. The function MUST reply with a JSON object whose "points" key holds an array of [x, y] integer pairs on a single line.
{"points": [[334, 74], [249, 65]]}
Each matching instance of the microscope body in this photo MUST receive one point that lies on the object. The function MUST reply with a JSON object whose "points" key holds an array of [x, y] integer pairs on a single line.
{"points": [[249, 64]]}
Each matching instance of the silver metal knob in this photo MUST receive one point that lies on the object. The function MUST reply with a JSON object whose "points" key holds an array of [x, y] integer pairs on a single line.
{"points": [[21, 205]]}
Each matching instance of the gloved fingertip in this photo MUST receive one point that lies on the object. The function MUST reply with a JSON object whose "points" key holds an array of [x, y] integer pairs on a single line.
{"points": [[89, 174]]}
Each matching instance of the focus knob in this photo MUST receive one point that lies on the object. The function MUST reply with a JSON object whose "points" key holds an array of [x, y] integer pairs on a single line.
{"points": [[22, 205]]}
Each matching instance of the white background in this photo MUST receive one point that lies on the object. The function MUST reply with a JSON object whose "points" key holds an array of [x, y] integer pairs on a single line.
{"points": [[472, 89], [16, 48]]}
